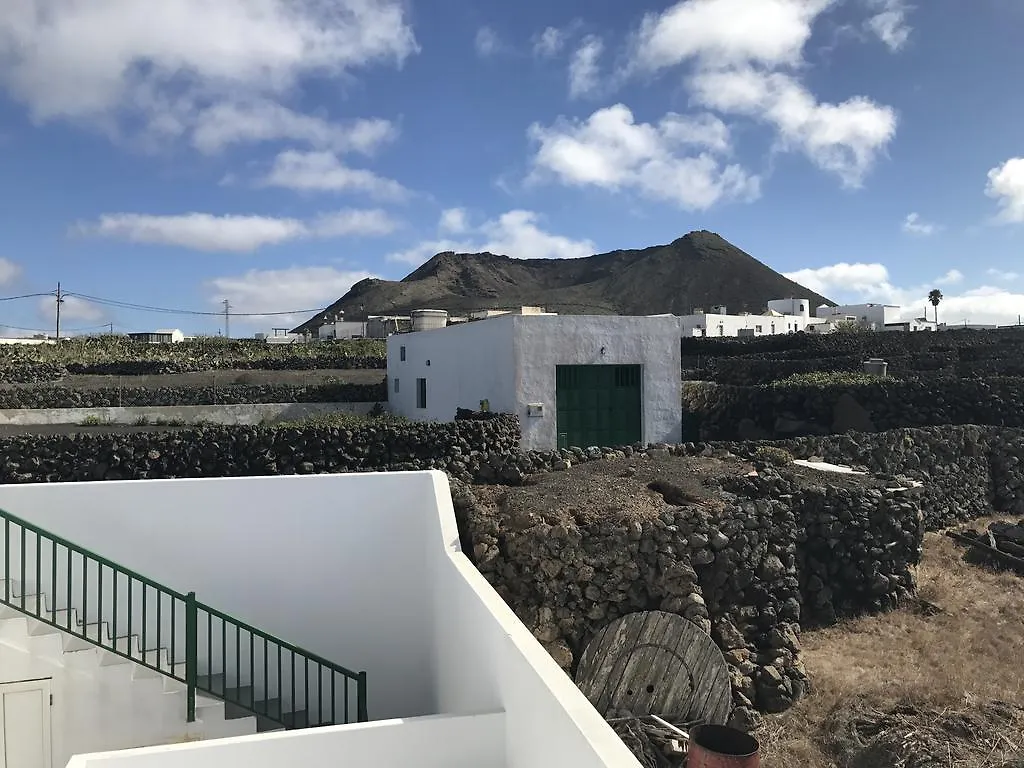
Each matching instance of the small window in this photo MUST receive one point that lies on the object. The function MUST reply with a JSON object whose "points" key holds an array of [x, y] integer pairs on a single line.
{"points": [[401, 353], [396, 386], [757, 328], [421, 393]]}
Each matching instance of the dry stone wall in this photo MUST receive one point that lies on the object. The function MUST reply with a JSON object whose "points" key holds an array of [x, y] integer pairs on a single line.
{"points": [[115, 397], [232, 451], [770, 555], [767, 412]]}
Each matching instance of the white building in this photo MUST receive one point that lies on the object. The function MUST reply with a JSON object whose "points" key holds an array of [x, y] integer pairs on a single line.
{"points": [[162, 336], [342, 329], [871, 316], [781, 316], [363, 570], [574, 380]]}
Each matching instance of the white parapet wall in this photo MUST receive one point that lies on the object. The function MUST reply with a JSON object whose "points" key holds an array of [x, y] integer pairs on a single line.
{"points": [[474, 741], [239, 413], [364, 570]]}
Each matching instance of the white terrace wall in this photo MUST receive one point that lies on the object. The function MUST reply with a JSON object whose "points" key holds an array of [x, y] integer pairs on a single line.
{"points": [[364, 569], [463, 364], [336, 564], [426, 742]]}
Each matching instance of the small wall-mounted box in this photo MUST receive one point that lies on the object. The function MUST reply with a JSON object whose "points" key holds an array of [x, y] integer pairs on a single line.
{"points": [[535, 409]]}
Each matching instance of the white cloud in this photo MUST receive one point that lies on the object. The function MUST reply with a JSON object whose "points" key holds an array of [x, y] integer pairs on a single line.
{"points": [[353, 223], [745, 58], [9, 271], [1002, 275], [861, 282], [516, 233], [454, 220], [324, 172], [843, 139], [117, 62], [549, 42], [583, 69], [889, 22], [1006, 186], [486, 42], [281, 290], [222, 125], [915, 225], [233, 234], [721, 33], [856, 278], [671, 161]]}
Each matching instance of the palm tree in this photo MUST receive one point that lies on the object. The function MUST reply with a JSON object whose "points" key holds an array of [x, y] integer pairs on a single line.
{"points": [[934, 297]]}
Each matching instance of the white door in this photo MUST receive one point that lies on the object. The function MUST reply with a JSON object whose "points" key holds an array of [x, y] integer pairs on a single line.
{"points": [[25, 724]]}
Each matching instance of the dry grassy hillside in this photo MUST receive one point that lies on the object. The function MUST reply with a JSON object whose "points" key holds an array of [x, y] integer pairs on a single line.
{"points": [[916, 687]]}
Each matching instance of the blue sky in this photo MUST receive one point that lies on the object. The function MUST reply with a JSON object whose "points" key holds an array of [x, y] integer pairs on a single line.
{"points": [[273, 152]]}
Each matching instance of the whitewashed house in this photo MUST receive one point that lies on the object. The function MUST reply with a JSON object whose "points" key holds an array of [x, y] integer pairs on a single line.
{"points": [[873, 317], [781, 316], [184, 623], [574, 380], [161, 336]]}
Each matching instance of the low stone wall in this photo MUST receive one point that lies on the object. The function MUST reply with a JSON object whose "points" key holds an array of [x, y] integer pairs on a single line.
{"points": [[127, 397], [244, 413], [770, 555], [231, 451], [762, 360], [767, 412]]}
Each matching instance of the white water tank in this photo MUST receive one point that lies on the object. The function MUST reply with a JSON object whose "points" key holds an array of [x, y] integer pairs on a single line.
{"points": [[428, 319]]}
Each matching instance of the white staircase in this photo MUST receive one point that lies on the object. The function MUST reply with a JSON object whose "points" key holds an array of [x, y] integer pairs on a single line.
{"points": [[123, 703]]}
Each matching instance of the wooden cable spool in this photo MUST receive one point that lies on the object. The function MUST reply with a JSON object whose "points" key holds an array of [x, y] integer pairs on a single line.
{"points": [[656, 663]]}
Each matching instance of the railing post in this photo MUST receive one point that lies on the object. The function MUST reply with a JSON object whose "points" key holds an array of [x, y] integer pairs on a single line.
{"points": [[191, 653], [361, 714]]}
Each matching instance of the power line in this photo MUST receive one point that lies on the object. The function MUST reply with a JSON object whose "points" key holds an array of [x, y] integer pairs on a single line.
{"points": [[166, 310], [117, 303], [26, 296]]}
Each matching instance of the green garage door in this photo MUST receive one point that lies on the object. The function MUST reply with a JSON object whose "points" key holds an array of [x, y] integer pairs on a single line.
{"points": [[598, 405]]}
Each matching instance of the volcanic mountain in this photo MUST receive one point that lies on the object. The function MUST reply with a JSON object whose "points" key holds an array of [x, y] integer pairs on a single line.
{"points": [[696, 271]]}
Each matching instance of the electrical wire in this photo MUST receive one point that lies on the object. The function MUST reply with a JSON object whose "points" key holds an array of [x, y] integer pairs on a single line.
{"points": [[117, 304], [28, 296], [165, 310]]}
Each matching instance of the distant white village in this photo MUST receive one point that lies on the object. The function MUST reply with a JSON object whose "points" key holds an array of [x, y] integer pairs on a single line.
{"points": [[779, 317]]}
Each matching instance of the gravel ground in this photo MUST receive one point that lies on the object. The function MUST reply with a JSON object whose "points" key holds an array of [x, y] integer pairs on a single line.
{"points": [[220, 378]]}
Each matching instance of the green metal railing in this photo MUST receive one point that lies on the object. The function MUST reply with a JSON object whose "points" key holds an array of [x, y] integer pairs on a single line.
{"points": [[130, 615]]}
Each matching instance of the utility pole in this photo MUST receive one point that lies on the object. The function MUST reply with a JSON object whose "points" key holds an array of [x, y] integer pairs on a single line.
{"points": [[111, 328], [60, 300], [227, 318]]}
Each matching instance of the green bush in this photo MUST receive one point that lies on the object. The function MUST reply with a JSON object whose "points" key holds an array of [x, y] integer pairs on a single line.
{"points": [[832, 379], [769, 454]]}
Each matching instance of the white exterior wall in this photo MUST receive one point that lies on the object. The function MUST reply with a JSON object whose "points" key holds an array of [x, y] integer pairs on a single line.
{"points": [[468, 363], [343, 329], [102, 707], [364, 569], [877, 315], [546, 341], [796, 307]]}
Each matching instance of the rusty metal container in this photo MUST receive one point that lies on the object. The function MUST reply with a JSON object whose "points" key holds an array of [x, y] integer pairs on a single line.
{"points": [[718, 746]]}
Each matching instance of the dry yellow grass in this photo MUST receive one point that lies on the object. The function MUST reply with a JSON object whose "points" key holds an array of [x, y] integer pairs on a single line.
{"points": [[954, 663]]}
